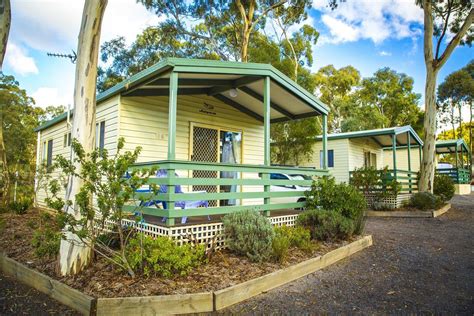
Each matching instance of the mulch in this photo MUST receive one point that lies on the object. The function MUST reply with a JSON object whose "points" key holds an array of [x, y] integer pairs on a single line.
{"points": [[102, 279]]}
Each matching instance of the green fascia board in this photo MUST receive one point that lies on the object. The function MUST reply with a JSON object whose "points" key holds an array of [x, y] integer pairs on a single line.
{"points": [[53, 121], [454, 143], [376, 132], [211, 67]]}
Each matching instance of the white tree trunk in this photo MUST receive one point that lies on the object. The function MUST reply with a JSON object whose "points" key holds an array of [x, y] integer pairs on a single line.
{"points": [[74, 255], [433, 65], [5, 21], [429, 127]]}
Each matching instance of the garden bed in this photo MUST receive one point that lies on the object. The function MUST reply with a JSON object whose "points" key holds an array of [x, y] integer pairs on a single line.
{"points": [[101, 279], [409, 212]]}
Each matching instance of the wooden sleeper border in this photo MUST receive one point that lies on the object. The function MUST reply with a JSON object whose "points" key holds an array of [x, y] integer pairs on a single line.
{"points": [[419, 214], [175, 304]]}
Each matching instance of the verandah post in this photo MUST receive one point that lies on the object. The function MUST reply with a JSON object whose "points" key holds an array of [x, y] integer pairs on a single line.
{"points": [[394, 156], [266, 136], [325, 142], [409, 160], [172, 108]]}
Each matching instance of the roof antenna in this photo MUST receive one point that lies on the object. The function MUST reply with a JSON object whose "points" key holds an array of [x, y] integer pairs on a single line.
{"points": [[72, 57]]}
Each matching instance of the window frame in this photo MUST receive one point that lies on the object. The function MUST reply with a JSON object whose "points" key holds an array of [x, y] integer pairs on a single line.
{"points": [[330, 159]]}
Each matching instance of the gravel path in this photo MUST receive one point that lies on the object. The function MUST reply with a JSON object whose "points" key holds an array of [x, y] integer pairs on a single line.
{"points": [[414, 266]]}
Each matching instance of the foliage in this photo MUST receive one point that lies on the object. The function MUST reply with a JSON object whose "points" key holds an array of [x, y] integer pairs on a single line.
{"points": [[425, 201], [280, 245], [443, 187], [162, 256], [104, 180], [455, 93], [334, 87], [286, 237], [20, 206], [47, 237], [376, 183], [249, 233], [341, 198], [326, 224], [384, 100], [20, 117]]}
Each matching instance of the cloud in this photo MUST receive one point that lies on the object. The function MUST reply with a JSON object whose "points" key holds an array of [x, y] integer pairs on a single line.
{"points": [[19, 61], [384, 53], [368, 19], [46, 96], [53, 25]]}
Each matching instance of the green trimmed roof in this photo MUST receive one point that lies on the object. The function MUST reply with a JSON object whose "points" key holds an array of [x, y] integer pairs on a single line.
{"points": [[211, 68], [380, 135], [450, 145]]}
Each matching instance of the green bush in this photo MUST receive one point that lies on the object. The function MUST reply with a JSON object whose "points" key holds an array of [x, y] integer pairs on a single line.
{"points": [[341, 198], [425, 201], [299, 236], [326, 225], [46, 242], [162, 257], [250, 234], [444, 187], [280, 245], [21, 206]]}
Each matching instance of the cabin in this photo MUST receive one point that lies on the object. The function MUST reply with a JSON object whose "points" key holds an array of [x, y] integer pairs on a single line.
{"points": [[206, 126], [351, 150], [457, 167]]}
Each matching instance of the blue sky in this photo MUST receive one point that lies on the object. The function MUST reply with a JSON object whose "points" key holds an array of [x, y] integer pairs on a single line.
{"points": [[367, 34]]}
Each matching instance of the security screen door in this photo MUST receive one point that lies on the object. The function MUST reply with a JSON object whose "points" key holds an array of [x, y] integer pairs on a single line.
{"points": [[205, 148]]}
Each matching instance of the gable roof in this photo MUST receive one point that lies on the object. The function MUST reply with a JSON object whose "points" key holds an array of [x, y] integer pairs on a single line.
{"points": [[289, 101], [382, 136], [450, 145]]}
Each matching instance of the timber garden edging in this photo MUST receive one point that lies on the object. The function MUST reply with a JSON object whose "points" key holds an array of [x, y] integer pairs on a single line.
{"points": [[180, 303], [415, 214]]}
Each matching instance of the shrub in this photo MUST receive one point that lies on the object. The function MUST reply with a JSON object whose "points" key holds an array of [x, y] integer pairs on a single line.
{"points": [[341, 198], [162, 256], [21, 206], [444, 187], [250, 234], [280, 245], [326, 225], [425, 201], [46, 242], [299, 236]]}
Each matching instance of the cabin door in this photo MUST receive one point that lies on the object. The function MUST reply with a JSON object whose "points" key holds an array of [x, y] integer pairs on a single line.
{"points": [[205, 147]]}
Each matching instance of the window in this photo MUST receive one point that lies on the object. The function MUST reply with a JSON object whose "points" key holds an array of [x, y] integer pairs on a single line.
{"points": [[67, 140], [100, 135], [49, 154], [330, 158], [370, 159]]}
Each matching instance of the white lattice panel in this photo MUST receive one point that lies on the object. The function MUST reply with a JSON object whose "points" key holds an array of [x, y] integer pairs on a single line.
{"points": [[207, 234], [390, 202]]}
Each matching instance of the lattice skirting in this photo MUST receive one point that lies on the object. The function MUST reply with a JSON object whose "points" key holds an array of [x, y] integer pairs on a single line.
{"points": [[388, 202], [209, 234]]}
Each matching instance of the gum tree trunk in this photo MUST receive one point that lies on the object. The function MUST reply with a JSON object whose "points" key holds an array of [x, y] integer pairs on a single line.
{"points": [[433, 65], [5, 21], [74, 254]]}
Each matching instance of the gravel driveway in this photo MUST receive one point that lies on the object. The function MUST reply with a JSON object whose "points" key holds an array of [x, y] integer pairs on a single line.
{"points": [[414, 266]]}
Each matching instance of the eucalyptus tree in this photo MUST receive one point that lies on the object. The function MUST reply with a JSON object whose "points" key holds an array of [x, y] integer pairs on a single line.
{"points": [[441, 18], [5, 21], [74, 255]]}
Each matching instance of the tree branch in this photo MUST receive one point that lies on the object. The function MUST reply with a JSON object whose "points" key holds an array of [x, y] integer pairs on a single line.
{"points": [[455, 40], [266, 11], [428, 28], [446, 22]]}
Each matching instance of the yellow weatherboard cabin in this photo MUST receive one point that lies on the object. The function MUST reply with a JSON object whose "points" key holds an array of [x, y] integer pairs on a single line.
{"points": [[206, 125], [397, 148]]}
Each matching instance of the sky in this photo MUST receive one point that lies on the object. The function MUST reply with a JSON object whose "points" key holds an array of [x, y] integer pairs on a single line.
{"points": [[367, 34]]}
